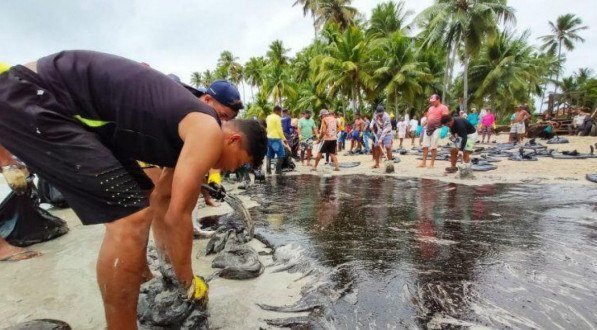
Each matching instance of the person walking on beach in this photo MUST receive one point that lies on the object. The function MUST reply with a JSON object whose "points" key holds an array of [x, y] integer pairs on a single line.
{"points": [[413, 124], [464, 135], [382, 128], [307, 132], [276, 141], [431, 137], [518, 128], [401, 128], [487, 122], [81, 119], [328, 137]]}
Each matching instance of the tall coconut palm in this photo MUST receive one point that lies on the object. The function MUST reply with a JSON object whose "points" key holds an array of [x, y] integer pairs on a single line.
{"points": [[508, 58], [254, 73], [208, 77], [196, 79], [309, 8], [387, 18], [347, 67], [400, 74], [564, 32], [464, 24], [277, 84], [277, 54], [338, 11]]}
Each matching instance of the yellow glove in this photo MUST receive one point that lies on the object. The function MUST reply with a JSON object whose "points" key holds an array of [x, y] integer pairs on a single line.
{"points": [[198, 291], [16, 177], [214, 177]]}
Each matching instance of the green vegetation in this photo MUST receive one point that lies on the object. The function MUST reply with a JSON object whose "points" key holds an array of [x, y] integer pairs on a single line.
{"points": [[468, 49]]}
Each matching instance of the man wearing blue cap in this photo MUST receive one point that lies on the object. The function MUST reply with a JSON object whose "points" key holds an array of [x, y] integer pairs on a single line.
{"points": [[82, 119]]}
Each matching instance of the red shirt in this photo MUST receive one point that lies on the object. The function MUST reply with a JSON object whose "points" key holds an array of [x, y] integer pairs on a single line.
{"points": [[434, 116]]}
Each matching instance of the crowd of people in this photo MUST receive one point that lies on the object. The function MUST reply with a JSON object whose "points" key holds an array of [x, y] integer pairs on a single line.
{"points": [[326, 133]]}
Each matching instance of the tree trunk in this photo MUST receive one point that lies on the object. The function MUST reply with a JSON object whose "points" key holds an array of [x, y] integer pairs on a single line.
{"points": [[555, 89], [396, 105], [449, 71], [465, 83]]}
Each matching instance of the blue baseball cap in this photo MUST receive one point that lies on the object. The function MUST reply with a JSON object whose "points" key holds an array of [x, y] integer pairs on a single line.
{"points": [[226, 93]]}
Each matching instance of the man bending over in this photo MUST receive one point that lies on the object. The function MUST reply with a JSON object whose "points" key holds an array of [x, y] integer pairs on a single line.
{"points": [[81, 119], [465, 136]]}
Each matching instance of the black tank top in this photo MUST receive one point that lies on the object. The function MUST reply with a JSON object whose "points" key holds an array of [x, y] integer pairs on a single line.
{"points": [[133, 108]]}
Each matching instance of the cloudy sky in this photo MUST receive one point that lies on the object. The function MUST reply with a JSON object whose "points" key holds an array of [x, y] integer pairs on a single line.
{"points": [[183, 36]]}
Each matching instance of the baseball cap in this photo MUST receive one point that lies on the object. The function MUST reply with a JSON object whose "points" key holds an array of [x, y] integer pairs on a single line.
{"points": [[226, 93], [323, 112], [380, 109]]}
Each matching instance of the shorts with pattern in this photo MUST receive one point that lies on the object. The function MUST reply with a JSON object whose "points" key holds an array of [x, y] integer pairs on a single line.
{"points": [[518, 128], [471, 139], [307, 144]]}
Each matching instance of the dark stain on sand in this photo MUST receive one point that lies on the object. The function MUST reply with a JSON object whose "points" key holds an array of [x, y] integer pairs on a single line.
{"points": [[424, 253]]}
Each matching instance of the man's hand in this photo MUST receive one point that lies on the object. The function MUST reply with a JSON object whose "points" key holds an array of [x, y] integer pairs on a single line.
{"points": [[16, 177]]}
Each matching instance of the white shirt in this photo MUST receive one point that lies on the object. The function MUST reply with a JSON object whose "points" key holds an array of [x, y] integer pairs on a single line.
{"points": [[414, 124]]}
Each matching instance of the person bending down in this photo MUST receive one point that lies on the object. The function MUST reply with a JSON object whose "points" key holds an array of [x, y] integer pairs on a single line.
{"points": [[81, 119], [465, 136]]}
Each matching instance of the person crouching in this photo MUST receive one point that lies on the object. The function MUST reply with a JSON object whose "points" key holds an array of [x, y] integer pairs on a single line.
{"points": [[465, 136]]}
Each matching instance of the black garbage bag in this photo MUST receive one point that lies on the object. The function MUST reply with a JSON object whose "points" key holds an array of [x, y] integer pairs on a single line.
{"points": [[49, 194], [33, 224]]}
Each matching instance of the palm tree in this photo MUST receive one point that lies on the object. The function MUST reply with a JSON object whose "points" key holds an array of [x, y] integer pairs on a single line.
{"points": [[277, 84], [400, 72], [508, 58], [208, 77], [309, 7], [337, 11], [196, 79], [386, 18], [346, 68], [254, 73], [276, 54], [563, 33], [463, 25]]}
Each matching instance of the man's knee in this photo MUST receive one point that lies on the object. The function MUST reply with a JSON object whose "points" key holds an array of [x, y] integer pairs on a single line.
{"points": [[132, 227]]}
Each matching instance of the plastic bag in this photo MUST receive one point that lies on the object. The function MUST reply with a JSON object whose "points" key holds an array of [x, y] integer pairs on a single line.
{"points": [[33, 224]]}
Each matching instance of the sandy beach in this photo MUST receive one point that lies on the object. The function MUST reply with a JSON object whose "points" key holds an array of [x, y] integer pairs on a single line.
{"points": [[545, 170], [63, 283]]}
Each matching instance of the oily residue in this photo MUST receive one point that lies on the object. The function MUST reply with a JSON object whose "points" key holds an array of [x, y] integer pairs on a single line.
{"points": [[402, 253]]}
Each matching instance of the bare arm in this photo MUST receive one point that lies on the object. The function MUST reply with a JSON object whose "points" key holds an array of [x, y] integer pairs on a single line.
{"points": [[201, 150], [5, 157]]}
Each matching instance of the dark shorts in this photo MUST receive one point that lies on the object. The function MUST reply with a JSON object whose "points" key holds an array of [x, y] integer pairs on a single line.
{"points": [[328, 147], [42, 133]]}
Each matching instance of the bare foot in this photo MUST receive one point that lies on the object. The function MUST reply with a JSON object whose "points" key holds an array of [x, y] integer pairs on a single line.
{"points": [[337, 169], [375, 166], [14, 253], [313, 169], [431, 166], [421, 165]]}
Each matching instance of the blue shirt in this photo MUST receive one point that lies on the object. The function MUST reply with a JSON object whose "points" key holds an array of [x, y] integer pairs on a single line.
{"points": [[287, 125], [473, 118]]}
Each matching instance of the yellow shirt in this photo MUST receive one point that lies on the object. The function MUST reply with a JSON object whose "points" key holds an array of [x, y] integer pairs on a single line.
{"points": [[274, 127], [341, 123]]}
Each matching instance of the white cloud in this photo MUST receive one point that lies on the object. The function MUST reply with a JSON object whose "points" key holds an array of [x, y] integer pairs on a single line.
{"points": [[186, 35]]}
